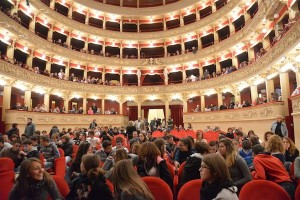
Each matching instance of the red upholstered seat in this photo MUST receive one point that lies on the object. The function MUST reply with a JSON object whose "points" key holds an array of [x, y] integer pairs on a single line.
{"points": [[211, 136], [174, 133], [110, 185], [190, 190], [6, 164], [75, 148], [61, 185], [260, 189], [182, 134], [6, 183], [157, 134], [159, 188], [61, 152], [191, 133], [60, 167]]}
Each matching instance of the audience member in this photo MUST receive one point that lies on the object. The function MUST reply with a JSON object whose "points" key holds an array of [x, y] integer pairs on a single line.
{"points": [[238, 168], [152, 164], [217, 183], [30, 128], [183, 152], [291, 151], [34, 182], [246, 153], [267, 167], [49, 151], [91, 183], [14, 153], [29, 151], [193, 163], [128, 184], [279, 128], [105, 151]]}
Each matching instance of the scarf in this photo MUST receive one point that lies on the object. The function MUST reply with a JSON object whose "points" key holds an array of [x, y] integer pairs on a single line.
{"points": [[210, 191]]}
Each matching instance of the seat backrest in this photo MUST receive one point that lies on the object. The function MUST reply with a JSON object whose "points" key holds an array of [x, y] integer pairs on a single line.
{"points": [[110, 185], [61, 152], [62, 185], [75, 148], [6, 164], [182, 134], [60, 166], [6, 183], [159, 188], [171, 169], [180, 170], [190, 190], [191, 133], [157, 134], [260, 189]]}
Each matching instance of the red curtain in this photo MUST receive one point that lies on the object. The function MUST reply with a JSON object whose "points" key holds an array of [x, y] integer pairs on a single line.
{"points": [[176, 114], [132, 113], [146, 112], [142, 79]]}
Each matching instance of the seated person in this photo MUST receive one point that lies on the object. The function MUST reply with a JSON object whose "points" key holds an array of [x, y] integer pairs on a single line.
{"points": [[49, 151], [67, 146], [193, 163], [29, 151], [105, 151], [268, 167], [92, 139], [119, 142], [14, 153]]}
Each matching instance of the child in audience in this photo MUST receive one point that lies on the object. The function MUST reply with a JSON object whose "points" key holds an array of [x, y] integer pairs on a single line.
{"points": [[216, 179], [267, 135], [91, 183], [34, 183], [246, 153], [238, 168], [128, 184]]}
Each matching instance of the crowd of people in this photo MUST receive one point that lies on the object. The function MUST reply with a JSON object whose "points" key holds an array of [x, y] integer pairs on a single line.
{"points": [[123, 155]]}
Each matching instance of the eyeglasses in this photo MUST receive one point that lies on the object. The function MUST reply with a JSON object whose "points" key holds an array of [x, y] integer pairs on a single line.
{"points": [[203, 166]]}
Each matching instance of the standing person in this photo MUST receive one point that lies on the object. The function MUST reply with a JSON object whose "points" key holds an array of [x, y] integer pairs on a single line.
{"points": [[153, 125], [170, 123], [30, 128], [238, 169], [130, 129], [34, 183], [90, 185], [139, 124], [267, 167], [217, 183], [279, 128], [94, 108], [128, 184], [93, 125]]}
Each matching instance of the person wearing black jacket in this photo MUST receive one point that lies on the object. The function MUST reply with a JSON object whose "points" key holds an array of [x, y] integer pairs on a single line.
{"points": [[67, 146], [14, 130], [193, 163], [90, 185], [28, 151], [129, 130], [53, 130]]}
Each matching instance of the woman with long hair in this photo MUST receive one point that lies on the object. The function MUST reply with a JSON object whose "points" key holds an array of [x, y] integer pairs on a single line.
{"points": [[142, 137], [216, 179], [291, 151], [276, 148], [152, 164], [183, 152], [200, 137], [238, 169], [74, 170], [128, 184], [34, 183], [90, 185], [162, 145]]}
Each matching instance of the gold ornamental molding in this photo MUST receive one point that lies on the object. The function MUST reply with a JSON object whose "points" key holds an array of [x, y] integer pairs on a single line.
{"points": [[137, 12], [90, 30], [260, 112], [291, 39], [17, 29]]}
